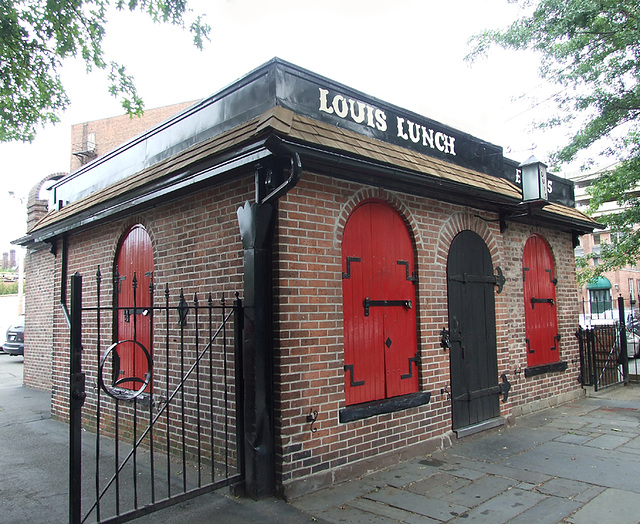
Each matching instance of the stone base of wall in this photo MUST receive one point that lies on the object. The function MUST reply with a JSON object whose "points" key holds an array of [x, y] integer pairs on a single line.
{"points": [[299, 487], [547, 403]]}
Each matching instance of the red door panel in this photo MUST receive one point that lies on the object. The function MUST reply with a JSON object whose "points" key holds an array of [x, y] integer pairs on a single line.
{"points": [[134, 261], [541, 322], [380, 338]]}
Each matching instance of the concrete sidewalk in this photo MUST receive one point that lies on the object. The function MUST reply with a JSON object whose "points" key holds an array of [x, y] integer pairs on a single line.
{"points": [[577, 463]]}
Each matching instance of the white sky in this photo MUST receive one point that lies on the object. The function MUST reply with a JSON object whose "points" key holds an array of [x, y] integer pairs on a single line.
{"points": [[406, 52]]}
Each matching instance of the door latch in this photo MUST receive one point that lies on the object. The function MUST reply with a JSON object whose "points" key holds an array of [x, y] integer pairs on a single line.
{"points": [[535, 301], [367, 303]]}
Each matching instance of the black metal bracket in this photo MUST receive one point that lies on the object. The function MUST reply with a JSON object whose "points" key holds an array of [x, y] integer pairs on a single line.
{"points": [[183, 310], [412, 360], [505, 387], [554, 281], [311, 419], [529, 350], [500, 279], [413, 278], [556, 339], [347, 275], [144, 311], [445, 340], [535, 301], [367, 303], [353, 383], [446, 390]]}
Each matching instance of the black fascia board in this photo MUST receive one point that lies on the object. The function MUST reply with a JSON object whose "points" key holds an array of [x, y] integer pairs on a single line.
{"points": [[220, 169], [354, 169], [279, 83], [553, 221]]}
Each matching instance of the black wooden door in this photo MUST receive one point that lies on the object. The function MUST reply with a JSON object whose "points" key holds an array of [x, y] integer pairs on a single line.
{"points": [[472, 327]]}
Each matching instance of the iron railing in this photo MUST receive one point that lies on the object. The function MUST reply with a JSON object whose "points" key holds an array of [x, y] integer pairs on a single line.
{"points": [[172, 431]]}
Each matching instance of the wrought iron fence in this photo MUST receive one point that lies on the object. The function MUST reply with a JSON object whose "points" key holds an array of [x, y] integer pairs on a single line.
{"points": [[154, 418]]}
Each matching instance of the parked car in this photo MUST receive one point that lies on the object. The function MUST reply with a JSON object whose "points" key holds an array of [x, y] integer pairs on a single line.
{"points": [[14, 344]]}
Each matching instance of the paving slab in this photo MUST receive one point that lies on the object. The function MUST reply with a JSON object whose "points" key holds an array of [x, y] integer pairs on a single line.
{"points": [[502, 508], [432, 508], [548, 511], [380, 509], [607, 442], [504, 445], [479, 491], [337, 495], [592, 465], [574, 438], [564, 488], [438, 485], [612, 505], [402, 474]]}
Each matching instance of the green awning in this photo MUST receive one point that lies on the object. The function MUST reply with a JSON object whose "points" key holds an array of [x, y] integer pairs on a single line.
{"points": [[599, 283]]}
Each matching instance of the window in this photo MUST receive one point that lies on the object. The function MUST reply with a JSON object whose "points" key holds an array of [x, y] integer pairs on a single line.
{"points": [[600, 301], [378, 285], [541, 322]]}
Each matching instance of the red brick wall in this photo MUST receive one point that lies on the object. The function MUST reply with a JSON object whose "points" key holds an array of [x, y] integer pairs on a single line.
{"points": [[39, 304], [113, 131], [309, 326]]}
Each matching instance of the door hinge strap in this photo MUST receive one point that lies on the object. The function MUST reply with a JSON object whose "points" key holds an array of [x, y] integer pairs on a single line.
{"points": [[353, 383], [411, 278], [347, 275], [501, 389], [415, 359], [367, 303], [497, 280]]}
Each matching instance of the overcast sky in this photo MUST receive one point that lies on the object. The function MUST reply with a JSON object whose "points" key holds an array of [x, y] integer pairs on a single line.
{"points": [[406, 52]]}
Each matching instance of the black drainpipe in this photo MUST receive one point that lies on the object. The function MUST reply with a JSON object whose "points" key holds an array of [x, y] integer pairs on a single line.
{"points": [[257, 227]]}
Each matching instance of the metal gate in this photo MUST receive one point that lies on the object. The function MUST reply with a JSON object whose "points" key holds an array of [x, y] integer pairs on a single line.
{"points": [[600, 356], [604, 353], [167, 433]]}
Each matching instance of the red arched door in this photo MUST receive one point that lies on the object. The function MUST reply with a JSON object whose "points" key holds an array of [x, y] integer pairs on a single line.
{"points": [[378, 285], [134, 276], [540, 314]]}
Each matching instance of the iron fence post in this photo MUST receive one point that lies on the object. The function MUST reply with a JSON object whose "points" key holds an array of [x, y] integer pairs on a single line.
{"points": [[623, 340], [238, 321], [76, 400]]}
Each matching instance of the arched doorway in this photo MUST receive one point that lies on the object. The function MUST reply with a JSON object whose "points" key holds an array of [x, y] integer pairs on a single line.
{"points": [[472, 329]]}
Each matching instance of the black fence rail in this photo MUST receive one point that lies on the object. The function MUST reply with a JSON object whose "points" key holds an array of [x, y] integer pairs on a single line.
{"points": [[600, 356], [608, 343], [154, 417], [622, 312]]}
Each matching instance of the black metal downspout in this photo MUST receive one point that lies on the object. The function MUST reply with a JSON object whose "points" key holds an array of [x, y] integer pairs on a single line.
{"points": [[257, 226]]}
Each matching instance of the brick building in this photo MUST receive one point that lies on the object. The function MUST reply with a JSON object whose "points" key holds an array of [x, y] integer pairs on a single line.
{"points": [[398, 292]]}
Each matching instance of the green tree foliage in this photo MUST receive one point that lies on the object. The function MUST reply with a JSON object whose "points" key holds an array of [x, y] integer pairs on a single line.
{"points": [[37, 35], [591, 49]]}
